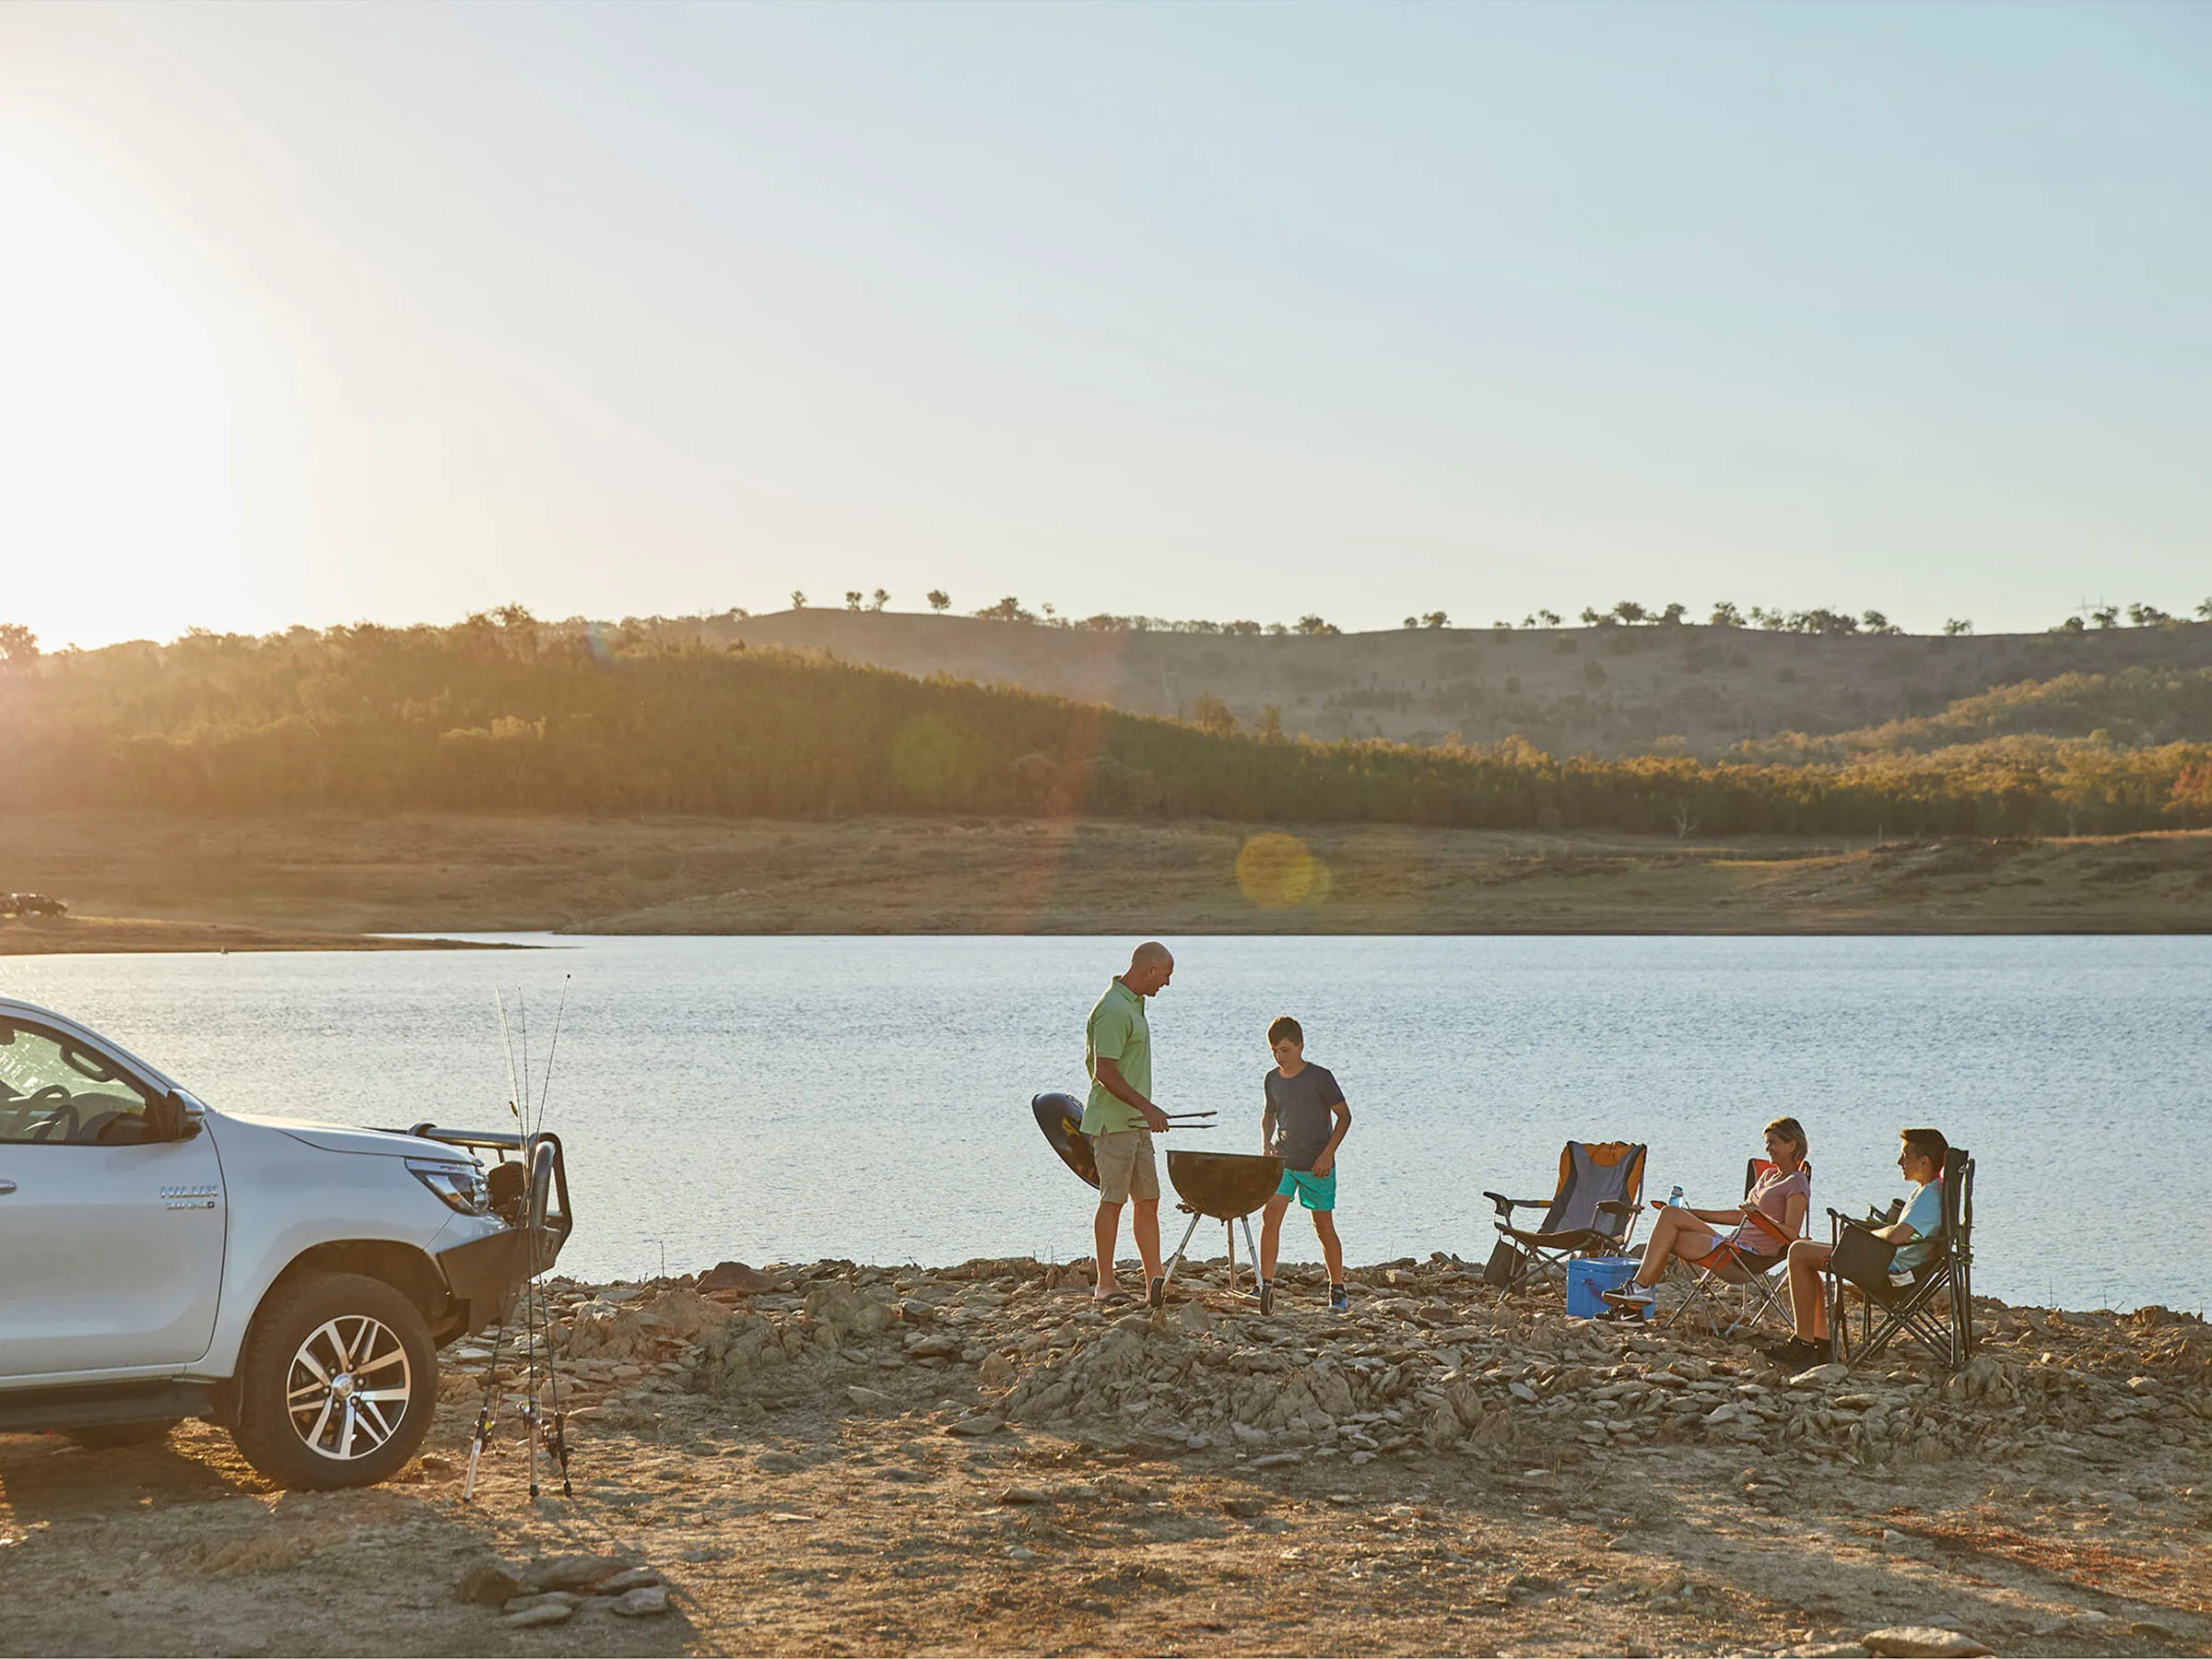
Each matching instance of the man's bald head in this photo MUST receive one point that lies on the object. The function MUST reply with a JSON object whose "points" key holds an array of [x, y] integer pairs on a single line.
{"points": [[1150, 966]]}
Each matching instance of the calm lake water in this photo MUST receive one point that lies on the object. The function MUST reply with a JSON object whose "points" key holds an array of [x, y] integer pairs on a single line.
{"points": [[769, 1098]]}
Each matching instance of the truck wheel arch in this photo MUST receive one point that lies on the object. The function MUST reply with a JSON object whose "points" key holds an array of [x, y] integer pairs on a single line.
{"points": [[405, 1269]]}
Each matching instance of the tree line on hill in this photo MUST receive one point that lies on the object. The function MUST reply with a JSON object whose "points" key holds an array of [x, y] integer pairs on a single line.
{"points": [[1625, 613], [502, 713]]}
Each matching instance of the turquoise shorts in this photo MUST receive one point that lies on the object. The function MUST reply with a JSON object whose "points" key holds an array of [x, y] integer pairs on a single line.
{"points": [[1315, 1192]]}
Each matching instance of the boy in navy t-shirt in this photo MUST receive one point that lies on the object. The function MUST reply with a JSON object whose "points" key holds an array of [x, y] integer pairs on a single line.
{"points": [[1303, 1124]]}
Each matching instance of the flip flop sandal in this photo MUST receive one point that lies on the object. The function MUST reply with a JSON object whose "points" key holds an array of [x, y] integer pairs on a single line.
{"points": [[1120, 1298]]}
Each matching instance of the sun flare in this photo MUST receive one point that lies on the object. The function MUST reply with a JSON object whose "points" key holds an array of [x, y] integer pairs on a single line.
{"points": [[116, 509]]}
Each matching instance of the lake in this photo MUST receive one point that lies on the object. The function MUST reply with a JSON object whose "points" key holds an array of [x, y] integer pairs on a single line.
{"points": [[788, 1099]]}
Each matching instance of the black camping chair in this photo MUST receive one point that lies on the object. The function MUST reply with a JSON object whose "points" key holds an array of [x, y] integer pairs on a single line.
{"points": [[1935, 1310], [1758, 1276], [1592, 1212]]}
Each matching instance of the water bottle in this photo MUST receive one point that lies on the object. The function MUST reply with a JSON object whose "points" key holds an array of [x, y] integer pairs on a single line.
{"points": [[1674, 1199]]}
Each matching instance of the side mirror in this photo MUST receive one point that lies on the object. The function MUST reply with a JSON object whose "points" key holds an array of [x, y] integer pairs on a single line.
{"points": [[167, 1118]]}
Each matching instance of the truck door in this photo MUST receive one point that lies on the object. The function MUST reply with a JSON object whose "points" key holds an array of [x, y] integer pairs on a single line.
{"points": [[111, 1246]]}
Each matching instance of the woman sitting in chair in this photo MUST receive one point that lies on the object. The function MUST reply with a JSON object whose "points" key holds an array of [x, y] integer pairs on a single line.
{"points": [[1771, 1214]]}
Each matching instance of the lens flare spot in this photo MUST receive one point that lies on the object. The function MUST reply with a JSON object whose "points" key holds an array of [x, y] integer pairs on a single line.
{"points": [[1278, 871]]}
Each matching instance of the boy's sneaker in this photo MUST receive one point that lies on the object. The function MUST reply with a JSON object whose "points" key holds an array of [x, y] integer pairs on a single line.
{"points": [[1338, 1301], [1796, 1354]]}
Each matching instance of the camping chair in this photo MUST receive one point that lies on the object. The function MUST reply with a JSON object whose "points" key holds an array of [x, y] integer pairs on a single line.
{"points": [[1755, 1275], [1593, 1213], [1935, 1313]]}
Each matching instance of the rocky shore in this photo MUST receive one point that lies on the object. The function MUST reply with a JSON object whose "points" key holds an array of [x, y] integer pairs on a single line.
{"points": [[839, 1458]]}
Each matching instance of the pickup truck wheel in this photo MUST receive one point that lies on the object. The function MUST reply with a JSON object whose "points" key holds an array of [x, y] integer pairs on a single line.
{"points": [[104, 1437], [339, 1383]]}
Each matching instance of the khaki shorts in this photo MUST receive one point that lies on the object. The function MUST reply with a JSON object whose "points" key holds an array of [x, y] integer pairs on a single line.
{"points": [[1126, 1165]]}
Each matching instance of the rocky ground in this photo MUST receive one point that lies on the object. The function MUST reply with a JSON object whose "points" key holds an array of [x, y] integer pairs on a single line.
{"points": [[866, 1460]]}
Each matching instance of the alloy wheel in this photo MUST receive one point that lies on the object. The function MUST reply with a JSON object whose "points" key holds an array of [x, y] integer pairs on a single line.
{"points": [[349, 1387]]}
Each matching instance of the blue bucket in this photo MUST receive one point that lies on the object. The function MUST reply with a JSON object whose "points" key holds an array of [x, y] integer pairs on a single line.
{"points": [[1589, 1277]]}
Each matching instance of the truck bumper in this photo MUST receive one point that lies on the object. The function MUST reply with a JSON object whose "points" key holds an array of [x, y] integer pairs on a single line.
{"points": [[483, 1274]]}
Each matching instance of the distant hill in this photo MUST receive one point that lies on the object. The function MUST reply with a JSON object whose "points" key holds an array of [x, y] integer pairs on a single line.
{"points": [[509, 714], [1672, 688], [2135, 708]]}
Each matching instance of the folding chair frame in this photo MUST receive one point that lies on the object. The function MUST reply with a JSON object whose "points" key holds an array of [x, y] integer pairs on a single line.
{"points": [[1761, 1287], [1541, 1256], [1936, 1313]]}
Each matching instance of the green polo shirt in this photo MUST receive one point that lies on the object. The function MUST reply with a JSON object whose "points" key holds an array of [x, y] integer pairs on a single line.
{"points": [[1116, 1031]]}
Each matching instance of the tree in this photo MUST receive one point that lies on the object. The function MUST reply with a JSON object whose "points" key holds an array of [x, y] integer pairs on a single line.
{"points": [[1672, 616], [1550, 618], [1725, 615], [1314, 624], [19, 645], [1209, 713], [798, 600], [880, 600], [1271, 723], [2205, 610], [1958, 625], [1007, 610], [1413, 621], [1875, 623], [2146, 615], [940, 600], [1628, 611], [853, 598], [1593, 617], [1436, 619], [2106, 616]]}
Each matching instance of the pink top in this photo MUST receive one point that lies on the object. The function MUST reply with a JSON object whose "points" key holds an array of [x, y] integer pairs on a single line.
{"points": [[1770, 1195]]}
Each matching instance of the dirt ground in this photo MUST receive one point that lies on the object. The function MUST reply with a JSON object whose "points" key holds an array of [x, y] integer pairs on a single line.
{"points": [[872, 1461], [316, 882]]}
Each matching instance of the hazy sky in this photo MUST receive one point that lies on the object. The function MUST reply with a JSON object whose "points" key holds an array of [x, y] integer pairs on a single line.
{"points": [[321, 313]]}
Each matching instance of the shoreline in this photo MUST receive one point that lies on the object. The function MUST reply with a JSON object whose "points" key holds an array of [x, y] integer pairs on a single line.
{"points": [[973, 1458], [135, 882]]}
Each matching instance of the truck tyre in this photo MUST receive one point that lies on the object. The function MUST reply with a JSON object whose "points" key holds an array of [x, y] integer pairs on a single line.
{"points": [[104, 1437], [338, 1385]]}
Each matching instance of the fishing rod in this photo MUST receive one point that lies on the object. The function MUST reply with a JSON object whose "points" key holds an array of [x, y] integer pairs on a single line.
{"points": [[556, 1445], [486, 1418]]}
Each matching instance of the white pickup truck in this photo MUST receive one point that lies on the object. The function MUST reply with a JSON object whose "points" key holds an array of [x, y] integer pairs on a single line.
{"points": [[290, 1281]]}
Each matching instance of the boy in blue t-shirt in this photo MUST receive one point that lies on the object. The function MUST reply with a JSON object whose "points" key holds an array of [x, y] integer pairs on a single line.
{"points": [[1303, 1124], [1921, 1159]]}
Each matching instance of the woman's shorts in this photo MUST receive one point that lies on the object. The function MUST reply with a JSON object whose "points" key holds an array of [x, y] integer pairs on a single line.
{"points": [[1315, 1192]]}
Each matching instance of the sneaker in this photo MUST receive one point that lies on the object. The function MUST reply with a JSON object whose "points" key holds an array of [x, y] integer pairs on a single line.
{"points": [[1338, 1301], [1155, 1294], [1795, 1355], [1635, 1301]]}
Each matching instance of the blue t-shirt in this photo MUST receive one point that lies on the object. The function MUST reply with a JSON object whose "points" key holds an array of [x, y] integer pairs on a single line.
{"points": [[1924, 1215]]}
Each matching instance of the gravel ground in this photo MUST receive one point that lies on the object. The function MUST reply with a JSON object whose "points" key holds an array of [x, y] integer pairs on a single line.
{"points": [[863, 1460]]}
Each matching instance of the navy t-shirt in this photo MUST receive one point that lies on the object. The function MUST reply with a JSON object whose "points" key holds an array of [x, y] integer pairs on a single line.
{"points": [[1302, 1120]]}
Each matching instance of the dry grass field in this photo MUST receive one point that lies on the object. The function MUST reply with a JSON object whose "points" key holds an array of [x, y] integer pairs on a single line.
{"points": [[304, 882]]}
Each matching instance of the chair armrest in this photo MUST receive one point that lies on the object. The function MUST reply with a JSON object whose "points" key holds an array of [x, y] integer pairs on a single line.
{"points": [[1504, 1205], [1618, 1206]]}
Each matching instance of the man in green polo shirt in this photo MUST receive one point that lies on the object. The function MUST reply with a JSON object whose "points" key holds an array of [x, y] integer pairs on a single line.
{"points": [[1121, 1120]]}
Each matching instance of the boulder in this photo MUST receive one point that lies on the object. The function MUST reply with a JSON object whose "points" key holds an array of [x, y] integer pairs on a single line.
{"points": [[576, 1571], [489, 1584], [649, 1601], [1920, 1641], [737, 1276]]}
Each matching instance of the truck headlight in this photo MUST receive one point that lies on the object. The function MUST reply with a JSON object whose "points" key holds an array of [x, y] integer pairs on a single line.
{"points": [[457, 1185]]}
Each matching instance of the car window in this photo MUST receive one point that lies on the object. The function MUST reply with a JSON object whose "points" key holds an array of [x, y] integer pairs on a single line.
{"points": [[59, 1092]]}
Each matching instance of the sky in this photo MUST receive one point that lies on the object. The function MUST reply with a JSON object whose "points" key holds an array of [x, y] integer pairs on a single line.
{"points": [[317, 314]]}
